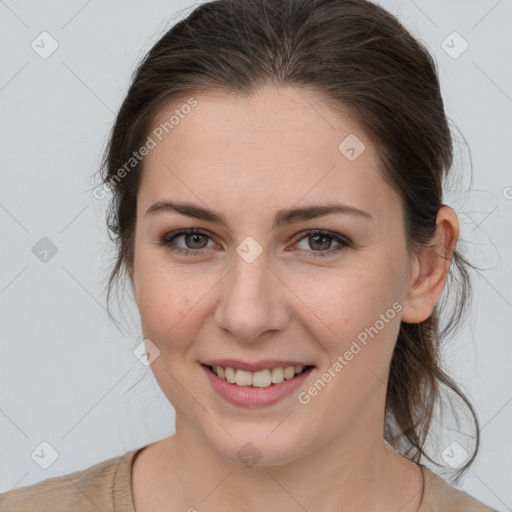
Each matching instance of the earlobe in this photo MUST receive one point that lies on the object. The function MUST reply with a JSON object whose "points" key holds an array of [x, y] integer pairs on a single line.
{"points": [[430, 269]]}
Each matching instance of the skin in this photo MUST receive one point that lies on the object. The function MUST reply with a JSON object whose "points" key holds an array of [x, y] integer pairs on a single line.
{"points": [[248, 158]]}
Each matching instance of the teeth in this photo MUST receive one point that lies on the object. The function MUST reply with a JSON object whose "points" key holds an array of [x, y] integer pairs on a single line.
{"points": [[289, 372], [277, 375], [243, 378], [230, 374], [260, 379]]}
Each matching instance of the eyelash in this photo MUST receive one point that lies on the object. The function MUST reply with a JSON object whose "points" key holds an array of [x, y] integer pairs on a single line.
{"points": [[166, 242]]}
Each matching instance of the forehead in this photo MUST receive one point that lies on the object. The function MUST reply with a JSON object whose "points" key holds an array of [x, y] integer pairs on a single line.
{"points": [[281, 144]]}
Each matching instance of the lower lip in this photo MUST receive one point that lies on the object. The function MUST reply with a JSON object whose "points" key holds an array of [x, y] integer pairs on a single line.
{"points": [[251, 396]]}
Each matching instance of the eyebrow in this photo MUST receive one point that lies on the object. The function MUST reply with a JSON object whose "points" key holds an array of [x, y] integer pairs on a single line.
{"points": [[285, 216]]}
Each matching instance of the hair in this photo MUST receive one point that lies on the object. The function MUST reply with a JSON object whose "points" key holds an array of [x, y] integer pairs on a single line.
{"points": [[360, 59]]}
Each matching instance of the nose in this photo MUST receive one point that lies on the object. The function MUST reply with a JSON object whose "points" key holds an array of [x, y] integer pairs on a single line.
{"points": [[253, 299]]}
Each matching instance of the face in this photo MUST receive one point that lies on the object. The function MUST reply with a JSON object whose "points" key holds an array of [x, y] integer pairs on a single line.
{"points": [[254, 290]]}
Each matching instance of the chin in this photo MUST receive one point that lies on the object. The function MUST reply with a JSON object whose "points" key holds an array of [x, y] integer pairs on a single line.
{"points": [[254, 446]]}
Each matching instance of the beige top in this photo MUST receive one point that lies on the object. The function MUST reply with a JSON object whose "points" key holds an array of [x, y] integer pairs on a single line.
{"points": [[106, 486]]}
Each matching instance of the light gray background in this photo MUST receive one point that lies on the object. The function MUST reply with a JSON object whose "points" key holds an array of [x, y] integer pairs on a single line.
{"points": [[68, 375]]}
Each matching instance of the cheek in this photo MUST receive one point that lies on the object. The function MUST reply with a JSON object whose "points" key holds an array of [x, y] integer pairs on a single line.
{"points": [[355, 304], [164, 314], [172, 302], [160, 299]]}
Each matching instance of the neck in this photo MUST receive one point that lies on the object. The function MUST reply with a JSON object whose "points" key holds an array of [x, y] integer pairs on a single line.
{"points": [[344, 473]]}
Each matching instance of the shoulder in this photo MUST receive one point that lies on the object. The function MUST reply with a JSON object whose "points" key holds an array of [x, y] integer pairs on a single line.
{"points": [[104, 486], [439, 496]]}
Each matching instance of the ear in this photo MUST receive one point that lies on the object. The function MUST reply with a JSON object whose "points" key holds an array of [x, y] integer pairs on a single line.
{"points": [[429, 270]]}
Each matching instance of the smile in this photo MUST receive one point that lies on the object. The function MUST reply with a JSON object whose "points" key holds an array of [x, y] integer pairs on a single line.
{"points": [[259, 379], [256, 389]]}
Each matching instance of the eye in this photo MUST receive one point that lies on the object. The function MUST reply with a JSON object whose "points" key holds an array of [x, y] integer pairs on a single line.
{"points": [[321, 239], [196, 241], [194, 237]]}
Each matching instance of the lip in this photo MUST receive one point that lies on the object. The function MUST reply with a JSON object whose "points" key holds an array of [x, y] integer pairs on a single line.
{"points": [[266, 364], [246, 396]]}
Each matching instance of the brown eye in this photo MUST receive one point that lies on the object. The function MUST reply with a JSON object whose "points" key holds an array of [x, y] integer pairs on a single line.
{"points": [[195, 241], [320, 242], [195, 238]]}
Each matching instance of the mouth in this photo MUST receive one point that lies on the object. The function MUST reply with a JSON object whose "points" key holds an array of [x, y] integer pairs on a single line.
{"points": [[256, 389], [259, 379]]}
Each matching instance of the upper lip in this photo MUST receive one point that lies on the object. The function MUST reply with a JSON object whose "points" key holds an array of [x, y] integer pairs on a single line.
{"points": [[254, 366]]}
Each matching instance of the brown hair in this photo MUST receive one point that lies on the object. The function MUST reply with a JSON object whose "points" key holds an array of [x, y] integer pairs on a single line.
{"points": [[361, 59]]}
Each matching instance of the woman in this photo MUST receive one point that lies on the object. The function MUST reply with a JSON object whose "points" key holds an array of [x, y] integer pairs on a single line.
{"points": [[277, 174]]}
